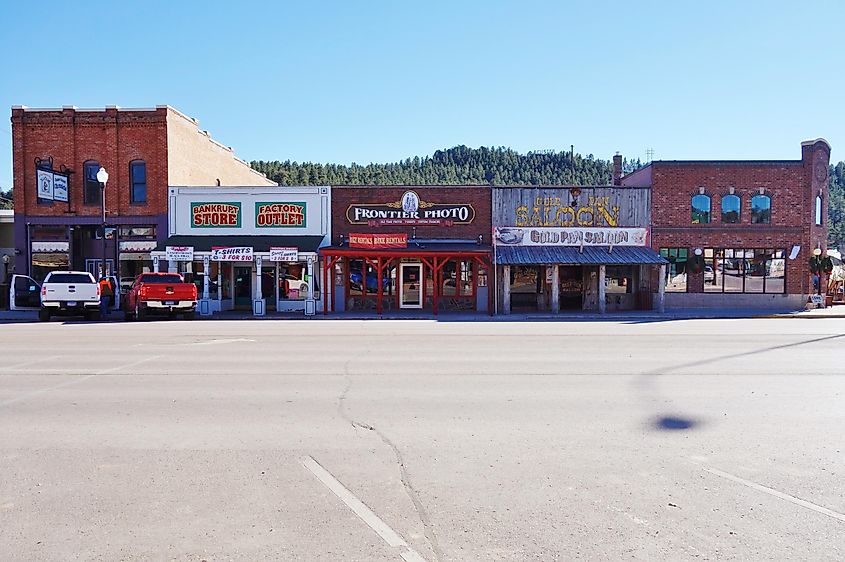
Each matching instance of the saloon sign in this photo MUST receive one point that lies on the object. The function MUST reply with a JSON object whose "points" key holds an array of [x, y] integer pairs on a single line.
{"points": [[575, 236], [552, 211], [280, 215], [216, 215], [410, 210]]}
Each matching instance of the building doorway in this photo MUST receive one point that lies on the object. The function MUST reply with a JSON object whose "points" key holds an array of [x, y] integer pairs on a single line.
{"points": [[410, 289], [243, 288], [571, 287]]}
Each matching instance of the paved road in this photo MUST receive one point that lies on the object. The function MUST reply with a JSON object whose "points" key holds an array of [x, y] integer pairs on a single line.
{"points": [[351, 440]]}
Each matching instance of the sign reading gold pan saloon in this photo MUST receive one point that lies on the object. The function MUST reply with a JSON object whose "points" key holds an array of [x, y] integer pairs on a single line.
{"points": [[280, 215], [216, 215]]}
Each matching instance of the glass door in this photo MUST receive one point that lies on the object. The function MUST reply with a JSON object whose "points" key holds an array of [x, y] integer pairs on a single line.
{"points": [[243, 288], [410, 290]]}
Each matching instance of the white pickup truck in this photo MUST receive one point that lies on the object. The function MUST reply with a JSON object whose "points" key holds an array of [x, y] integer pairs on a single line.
{"points": [[70, 293]]}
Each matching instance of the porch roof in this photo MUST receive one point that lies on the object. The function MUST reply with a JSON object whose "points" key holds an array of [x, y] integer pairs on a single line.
{"points": [[258, 243], [573, 255]]}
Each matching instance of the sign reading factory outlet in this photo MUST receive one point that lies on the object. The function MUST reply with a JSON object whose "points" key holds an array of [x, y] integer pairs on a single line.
{"points": [[575, 236], [280, 215], [410, 210], [234, 253], [372, 241], [216, 215], [179, 253], [287, 254]]}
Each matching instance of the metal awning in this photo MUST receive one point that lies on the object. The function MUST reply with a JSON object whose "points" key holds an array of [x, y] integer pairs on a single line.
{"points": [[573, 255]]}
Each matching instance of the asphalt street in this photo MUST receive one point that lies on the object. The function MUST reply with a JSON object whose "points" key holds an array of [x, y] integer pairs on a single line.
{"points": [[423, 440]]}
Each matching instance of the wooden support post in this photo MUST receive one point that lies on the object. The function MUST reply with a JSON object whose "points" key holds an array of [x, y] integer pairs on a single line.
{"points": [[555, 288], [506, 289], [326, 286], [661, 290], [378, 289], [435, 275], [602, 289]]}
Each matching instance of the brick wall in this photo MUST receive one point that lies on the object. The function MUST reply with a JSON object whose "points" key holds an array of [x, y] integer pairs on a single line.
{"points": [[479, 197], [194, 158], [70, 136], [792, 186]]}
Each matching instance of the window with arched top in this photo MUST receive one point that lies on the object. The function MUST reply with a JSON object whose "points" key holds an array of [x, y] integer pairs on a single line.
{"points": [[731, 205], [761, 209], [819, 207], [700, 209], [91, 187], [138, 181]]}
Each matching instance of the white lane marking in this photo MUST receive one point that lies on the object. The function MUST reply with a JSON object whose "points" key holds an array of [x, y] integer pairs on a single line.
{"points": [[372, 520], [126, 366], [28, 363], [776, 493], [74, 381], [213, 342]]}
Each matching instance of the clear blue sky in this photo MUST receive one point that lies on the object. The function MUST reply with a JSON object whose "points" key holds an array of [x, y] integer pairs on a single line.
{"points": [[380, 81]]}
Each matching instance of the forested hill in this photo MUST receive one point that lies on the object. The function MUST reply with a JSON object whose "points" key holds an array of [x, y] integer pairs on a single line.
{"points": [[460, 165]]}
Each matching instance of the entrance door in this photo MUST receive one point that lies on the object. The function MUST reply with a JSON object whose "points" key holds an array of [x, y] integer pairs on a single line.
{"points": [[526, 287], [243, 287], [24, 293], [93, 267], [410, 289]]}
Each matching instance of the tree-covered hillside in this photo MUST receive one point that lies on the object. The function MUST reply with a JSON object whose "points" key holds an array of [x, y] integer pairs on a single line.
{"points": [[836, 207], [460, 165]]}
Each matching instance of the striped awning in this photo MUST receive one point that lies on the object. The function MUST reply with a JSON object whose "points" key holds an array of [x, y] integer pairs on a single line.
{"points": [[572, 255], [137, 245], [57, 246]]}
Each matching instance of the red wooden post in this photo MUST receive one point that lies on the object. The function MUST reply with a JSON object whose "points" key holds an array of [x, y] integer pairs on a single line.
{"points": [[378, 280], [325, 285], [434, 279]]}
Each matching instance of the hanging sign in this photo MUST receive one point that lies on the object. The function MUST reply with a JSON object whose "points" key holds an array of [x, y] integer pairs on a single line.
{"points": [[216, 215], [410, 210], [575, 236], [60, 187], [280, 215], [179, 253], [238, 253], [378, 241], [284, 254], [45, 184]]}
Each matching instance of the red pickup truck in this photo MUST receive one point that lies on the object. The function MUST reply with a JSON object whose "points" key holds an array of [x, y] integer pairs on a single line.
{"points": [[160, 293]]}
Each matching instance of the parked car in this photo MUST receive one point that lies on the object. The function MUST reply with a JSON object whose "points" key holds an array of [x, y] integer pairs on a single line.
{"points": [[70, 293], [709, 275], [160, 294]]}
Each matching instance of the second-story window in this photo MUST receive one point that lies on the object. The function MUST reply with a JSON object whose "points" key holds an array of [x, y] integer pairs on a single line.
{"points": [[91, 187], [819, 207], [761, 209], [138, 181], [700, 209], [731, 209]]}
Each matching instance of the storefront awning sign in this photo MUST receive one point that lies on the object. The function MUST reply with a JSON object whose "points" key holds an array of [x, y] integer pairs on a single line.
{"points": [[179, 253], [45, 184], [234, 253], [284, 254], [139, 246], [372, 241], [50, 247], [575, 236]]}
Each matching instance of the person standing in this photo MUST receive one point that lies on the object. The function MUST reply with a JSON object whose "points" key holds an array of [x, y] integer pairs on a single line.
{"points": [[106, 294]]}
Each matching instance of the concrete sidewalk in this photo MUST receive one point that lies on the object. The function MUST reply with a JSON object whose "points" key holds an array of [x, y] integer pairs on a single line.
{"points": [[626, 316]]}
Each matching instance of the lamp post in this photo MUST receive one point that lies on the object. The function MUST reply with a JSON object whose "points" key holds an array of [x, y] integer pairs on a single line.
{"points": [[103, 178]]}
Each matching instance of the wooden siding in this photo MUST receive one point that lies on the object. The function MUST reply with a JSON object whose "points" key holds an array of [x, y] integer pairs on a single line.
{"points": [[597, 206]]}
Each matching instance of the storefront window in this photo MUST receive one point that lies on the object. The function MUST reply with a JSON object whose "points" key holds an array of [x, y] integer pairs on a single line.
{"points": [[293, 282], [45, 262], [457, 278], [619, 279], [742, 270], [676, 271]]}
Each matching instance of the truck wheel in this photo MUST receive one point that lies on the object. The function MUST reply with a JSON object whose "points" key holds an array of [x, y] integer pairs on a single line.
{"points": [[127, 316], [93, 316], [189, 315], [140, 314], [44, 315]]}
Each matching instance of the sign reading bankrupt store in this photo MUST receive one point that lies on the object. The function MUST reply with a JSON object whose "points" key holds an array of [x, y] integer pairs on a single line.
{"points": [[215, 215]]}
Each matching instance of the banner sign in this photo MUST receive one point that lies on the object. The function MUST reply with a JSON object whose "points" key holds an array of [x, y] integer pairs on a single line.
{"points": [[216, 215], [280, 215], [412, 211], [378, 241], [140, 246], [45, 184], [179, 253], [238, 253], [284, 254], [575, 236], [60, 188]]}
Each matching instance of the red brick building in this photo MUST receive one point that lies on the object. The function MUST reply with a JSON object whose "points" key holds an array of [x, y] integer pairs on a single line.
{"points": [[424, 248], [739, 233], [58, 208]]}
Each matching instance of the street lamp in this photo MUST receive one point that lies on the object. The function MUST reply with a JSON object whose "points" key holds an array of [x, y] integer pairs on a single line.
{"points": [[103, 178]]}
